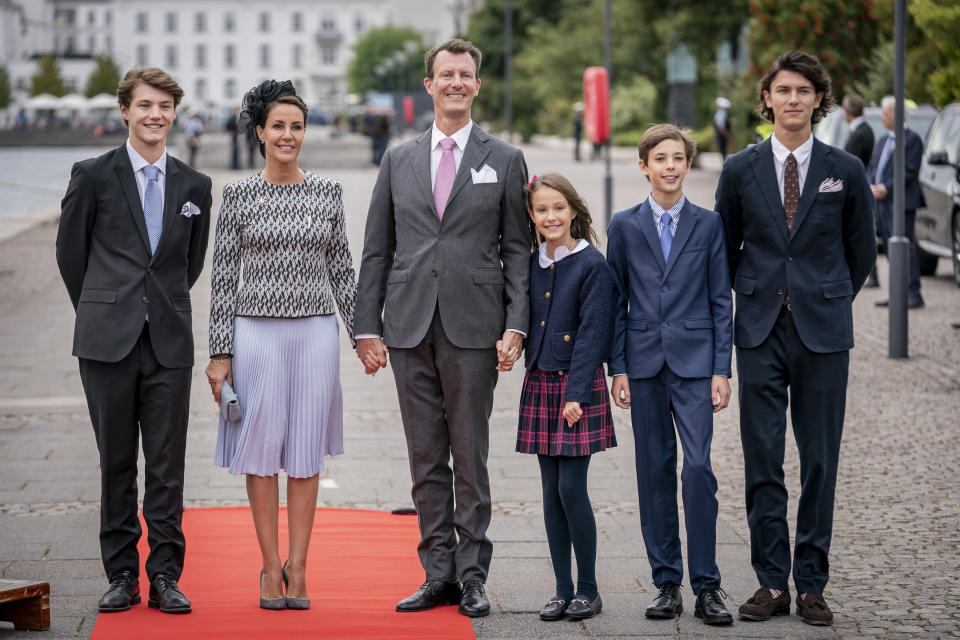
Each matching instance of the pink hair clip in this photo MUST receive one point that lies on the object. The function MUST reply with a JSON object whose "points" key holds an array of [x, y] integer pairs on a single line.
{"points": [[532, 180]]}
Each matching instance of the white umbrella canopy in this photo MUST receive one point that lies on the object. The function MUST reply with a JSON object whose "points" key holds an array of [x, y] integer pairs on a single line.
{"points": [[72, 101], [102, 101], [43, 101]]}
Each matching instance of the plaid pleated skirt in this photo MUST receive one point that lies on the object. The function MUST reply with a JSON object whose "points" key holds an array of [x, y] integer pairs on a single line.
{"points": [[544, 430]]}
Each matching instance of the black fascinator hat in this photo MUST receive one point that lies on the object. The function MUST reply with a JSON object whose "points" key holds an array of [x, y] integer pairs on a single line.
{"points": [[257, 103]]}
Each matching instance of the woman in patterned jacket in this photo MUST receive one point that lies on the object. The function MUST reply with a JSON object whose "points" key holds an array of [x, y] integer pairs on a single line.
{"points": [[275, 336]]}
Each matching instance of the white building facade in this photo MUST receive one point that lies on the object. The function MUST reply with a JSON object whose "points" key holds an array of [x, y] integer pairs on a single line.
{"points": [[215, 49]]}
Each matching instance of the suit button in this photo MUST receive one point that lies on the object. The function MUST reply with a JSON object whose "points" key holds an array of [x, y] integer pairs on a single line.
{"points": [[666, 288], [664, 324], [780, 291], [144, 299], [546, 295], [149, 272], [560, 372], [789, 258], [551, 265], [433, 272], [543, 322], [566, 338]]}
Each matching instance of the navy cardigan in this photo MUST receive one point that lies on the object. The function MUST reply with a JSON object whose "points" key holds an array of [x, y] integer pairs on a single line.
{"points": [[571, 319]]}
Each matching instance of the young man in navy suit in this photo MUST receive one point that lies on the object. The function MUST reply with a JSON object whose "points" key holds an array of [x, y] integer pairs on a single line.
{"points": [[798, 216], [671, 355]]}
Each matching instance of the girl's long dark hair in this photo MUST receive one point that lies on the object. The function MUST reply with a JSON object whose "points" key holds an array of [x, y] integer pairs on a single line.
{"points": [[580, 227]]}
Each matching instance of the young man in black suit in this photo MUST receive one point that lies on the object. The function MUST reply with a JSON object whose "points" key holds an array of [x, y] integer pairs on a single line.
{"points": [[798, 216], [133, 234]]}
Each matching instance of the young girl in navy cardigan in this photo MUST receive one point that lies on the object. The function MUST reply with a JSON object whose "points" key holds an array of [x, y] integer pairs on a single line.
{"points": [[564, 409]]}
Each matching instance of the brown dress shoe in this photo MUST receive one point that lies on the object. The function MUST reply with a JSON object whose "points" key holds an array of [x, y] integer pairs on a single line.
{"points": [[762, 605], [813, 609]]}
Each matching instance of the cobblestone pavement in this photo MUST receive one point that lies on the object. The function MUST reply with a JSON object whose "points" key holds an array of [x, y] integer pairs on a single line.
{"points": [[895, 561]]}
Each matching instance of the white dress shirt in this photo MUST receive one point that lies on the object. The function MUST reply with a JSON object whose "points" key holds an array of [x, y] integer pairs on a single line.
{"points": [[673, 212], [138, 163], [801, 154], [559, 254], [436, 151]]}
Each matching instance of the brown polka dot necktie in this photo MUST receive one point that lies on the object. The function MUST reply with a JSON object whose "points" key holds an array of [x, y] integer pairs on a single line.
{"points": [[791, 189]]}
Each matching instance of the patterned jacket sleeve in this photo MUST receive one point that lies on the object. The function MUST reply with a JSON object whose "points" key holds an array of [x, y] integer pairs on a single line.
{"points": [[340, 273], [225, 275]]}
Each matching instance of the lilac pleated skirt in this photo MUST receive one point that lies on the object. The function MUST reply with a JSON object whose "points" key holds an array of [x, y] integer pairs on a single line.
{"points": [[286, 372]]}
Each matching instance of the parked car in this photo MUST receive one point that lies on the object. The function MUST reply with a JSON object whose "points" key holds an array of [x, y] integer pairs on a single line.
{"points": [[834, 130], [938, 224]]}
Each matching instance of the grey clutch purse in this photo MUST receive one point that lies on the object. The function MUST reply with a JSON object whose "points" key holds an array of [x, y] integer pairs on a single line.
{"points": [[229, 406]]}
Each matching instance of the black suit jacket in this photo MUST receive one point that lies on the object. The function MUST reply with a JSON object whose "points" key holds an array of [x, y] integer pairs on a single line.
{"points": [[860, 143], [913, 196], [821, 263], [103, 252]]}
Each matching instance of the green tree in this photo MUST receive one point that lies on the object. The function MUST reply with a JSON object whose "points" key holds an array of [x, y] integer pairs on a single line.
{"points": [[4, 87], [940, 22], [401, 48], [104, 78], [47, 79]]}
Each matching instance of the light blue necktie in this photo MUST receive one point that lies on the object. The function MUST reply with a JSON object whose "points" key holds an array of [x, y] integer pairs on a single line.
{"points": [[885, 157], [153, 206], [666, 238]]}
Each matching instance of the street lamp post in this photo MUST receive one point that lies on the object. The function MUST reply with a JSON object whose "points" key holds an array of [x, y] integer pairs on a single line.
{"points": [[507, 67], [607, 175], [898, 247]]}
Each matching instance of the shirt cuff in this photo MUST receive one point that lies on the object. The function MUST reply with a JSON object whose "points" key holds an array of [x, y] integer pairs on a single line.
{"points": [[362, 336], [518, 331]]}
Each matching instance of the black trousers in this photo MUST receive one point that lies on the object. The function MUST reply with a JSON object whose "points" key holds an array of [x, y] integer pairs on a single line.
{"points": [[817, 384], [134, 396]]}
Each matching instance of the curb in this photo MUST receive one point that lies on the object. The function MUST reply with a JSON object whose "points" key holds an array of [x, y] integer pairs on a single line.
{"points": [[18, 224]]}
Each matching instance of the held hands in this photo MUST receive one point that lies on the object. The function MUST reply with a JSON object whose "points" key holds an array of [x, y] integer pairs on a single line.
{"points": [[719, 393], [620, 390], [572, 412], [373, 354], [217, 371], [879, 191], [508, 350]]}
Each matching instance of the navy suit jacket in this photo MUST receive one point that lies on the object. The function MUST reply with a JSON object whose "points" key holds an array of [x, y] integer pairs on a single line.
{"points": [[821, 263], [676, 312], [912, 195]]}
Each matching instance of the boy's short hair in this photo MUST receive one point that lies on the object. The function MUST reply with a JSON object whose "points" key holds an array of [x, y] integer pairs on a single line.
{"points": [[660, 132], [809, 67], [853, 104], [153, 76], [456, 46]]}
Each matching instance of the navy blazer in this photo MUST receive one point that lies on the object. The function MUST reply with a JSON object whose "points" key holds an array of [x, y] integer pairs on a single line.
{"points": [[677, 312], [912, 195], [822, 262], [570, 319]]}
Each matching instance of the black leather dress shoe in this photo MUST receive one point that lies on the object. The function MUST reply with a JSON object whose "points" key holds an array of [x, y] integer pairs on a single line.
{"points": [[554, 610], [473, 601], [124, 591], [710, 606], [668, 603], [432, 593], [166, 595], [581, 608]]}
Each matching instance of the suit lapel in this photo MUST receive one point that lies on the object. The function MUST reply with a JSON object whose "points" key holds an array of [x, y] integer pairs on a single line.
{"points": [[766, 175], [821, 162], [473, 157], [171, 197], [685, 225], [128, 184], [422, 169], [649, 231]]}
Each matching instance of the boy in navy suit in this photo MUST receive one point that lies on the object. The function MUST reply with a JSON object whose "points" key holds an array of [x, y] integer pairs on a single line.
{"points": [[672, 345]]}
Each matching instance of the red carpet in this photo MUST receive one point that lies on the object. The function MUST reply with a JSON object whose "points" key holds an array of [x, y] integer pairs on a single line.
{"points": [[361, 563]]}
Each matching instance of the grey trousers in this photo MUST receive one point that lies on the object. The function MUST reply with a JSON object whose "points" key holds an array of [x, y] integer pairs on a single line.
{"points": [[446, 396]]}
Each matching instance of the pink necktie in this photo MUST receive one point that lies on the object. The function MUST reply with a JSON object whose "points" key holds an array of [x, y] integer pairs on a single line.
{"points": [[446, 173]]}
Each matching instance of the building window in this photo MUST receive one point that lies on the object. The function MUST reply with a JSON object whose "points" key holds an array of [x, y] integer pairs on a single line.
{"points": [[71, 44], [329, 54], [230, 89], [358, 22], [142, 23], [108, 43], [143, 58], [200, 22], [91, 17], [108, 17], [91, 44], [328, 22], [264, 22], [296, 56], [201, 56], [228, 22], [296, 21], [171, 22], [229, 56], [64, 17], [264, 56], [201, 88], [172, 56]]}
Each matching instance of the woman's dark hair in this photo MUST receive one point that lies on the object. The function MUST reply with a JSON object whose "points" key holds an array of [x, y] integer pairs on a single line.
{"points": [[580, 226], [258, 102], [809, 67]]}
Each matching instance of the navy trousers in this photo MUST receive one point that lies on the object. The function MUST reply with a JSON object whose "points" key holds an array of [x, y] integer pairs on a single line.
{"points": [[817, 385], [655, 404]]}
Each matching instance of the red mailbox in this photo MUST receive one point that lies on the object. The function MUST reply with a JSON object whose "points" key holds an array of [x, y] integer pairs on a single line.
{"points": [[596, 104], [408, 109]]}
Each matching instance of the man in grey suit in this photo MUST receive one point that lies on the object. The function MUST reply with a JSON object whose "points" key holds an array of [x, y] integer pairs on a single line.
{"points": [[443, 281]]}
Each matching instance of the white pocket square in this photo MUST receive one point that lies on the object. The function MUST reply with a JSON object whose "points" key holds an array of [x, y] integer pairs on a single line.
{"points": [[830, 185], [486, 175], [189, 209]]}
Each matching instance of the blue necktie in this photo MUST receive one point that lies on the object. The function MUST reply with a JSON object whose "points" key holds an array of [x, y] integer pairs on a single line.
{"points": [[666, 238], [153, 206], [885, 157]]}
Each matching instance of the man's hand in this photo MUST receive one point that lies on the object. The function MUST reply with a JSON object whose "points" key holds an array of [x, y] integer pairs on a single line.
{"points": [[879, 191], [719, 393], [572, 412], [217, 371], [620, 390], [508, 350], [373, 354]]}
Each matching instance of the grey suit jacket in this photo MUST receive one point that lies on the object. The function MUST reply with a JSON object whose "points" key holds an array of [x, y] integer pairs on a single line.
{"points": [[473, 264]]}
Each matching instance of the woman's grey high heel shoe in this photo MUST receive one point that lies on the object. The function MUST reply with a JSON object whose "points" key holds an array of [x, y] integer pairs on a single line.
{"points": [[293, 603], [271, 603]]}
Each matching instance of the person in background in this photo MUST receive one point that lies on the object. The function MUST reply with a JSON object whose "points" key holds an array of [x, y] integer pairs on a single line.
{"points": [[192, 132], [859, 144], [721, 125]]}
